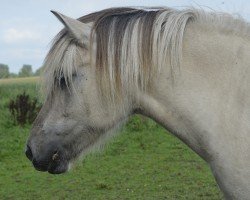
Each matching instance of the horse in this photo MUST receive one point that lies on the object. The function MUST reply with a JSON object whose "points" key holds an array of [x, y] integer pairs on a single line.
{"points": [[188, 70]]}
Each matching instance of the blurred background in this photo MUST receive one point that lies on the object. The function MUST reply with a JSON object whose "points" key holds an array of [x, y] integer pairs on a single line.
{"points": [[144, 162]]}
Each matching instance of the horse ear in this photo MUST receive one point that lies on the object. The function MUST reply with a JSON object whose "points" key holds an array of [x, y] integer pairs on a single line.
{"points": [[79, 30]]}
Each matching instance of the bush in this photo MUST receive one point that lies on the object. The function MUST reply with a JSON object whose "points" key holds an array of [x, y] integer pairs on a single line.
{"points": [[23, 109]]}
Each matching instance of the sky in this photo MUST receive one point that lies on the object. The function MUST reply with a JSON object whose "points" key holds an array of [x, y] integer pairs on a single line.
{"points": [[27, 26]]}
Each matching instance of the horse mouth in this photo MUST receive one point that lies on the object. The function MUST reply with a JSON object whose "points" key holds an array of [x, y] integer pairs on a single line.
{"points": [[54, 165]]}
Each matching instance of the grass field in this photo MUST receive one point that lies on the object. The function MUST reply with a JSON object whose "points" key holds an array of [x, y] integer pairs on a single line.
{"points": [[11, 81], [144, 162]]}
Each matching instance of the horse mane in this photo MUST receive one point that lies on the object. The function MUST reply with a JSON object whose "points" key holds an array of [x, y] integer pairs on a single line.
{"points": [[132, 45]]}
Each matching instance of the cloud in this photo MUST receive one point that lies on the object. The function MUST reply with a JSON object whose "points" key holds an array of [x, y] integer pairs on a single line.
{"points": [[13, 35]]}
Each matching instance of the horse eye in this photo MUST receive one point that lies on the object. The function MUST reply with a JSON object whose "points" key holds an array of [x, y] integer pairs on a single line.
{"points": [[62, 82]]}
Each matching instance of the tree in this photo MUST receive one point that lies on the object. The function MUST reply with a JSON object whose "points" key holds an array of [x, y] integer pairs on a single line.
{"points": [[25, 71], [13, 75], [4, 71]]}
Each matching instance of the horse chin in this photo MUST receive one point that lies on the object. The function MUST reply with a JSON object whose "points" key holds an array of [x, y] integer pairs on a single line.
{"points": [[59, 168]]}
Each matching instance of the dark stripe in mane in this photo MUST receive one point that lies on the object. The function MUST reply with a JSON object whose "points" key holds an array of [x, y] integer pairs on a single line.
{"points": [[119, 19]]}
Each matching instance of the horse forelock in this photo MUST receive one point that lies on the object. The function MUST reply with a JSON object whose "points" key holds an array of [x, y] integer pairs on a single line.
{"points": [[132, 45]]}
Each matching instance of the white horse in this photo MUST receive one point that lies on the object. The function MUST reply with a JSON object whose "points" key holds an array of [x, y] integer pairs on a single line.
{"points": [[188, 70]]}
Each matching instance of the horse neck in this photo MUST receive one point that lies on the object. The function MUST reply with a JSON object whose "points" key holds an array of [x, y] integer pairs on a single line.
{"points": [[205, 99]]}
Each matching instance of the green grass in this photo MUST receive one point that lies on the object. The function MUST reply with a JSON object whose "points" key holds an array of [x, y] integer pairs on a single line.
{"points": [[143, 162], [11, 81]]}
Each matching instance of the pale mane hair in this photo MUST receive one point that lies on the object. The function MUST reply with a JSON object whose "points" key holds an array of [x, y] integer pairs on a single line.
{"points": [[132, 45]]}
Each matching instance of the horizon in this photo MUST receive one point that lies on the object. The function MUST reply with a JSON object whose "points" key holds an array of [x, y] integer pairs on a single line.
{"points": [[27, 27]]}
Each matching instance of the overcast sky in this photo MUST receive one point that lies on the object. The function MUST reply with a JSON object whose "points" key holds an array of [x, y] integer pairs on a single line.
{"points": [[27, 26]]}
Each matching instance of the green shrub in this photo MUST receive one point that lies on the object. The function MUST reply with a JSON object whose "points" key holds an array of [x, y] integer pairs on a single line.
{"points": [[23, 109]]}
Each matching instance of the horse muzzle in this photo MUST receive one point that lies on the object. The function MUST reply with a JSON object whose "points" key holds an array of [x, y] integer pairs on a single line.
{"points": [[51, 160]]}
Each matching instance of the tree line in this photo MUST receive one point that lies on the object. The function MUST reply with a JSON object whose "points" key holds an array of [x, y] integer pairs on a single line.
{"points": [[25, 71]]}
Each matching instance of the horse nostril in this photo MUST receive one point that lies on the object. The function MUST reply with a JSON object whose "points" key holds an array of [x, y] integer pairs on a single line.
{"points": [[28, 153], [55, 156]]}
